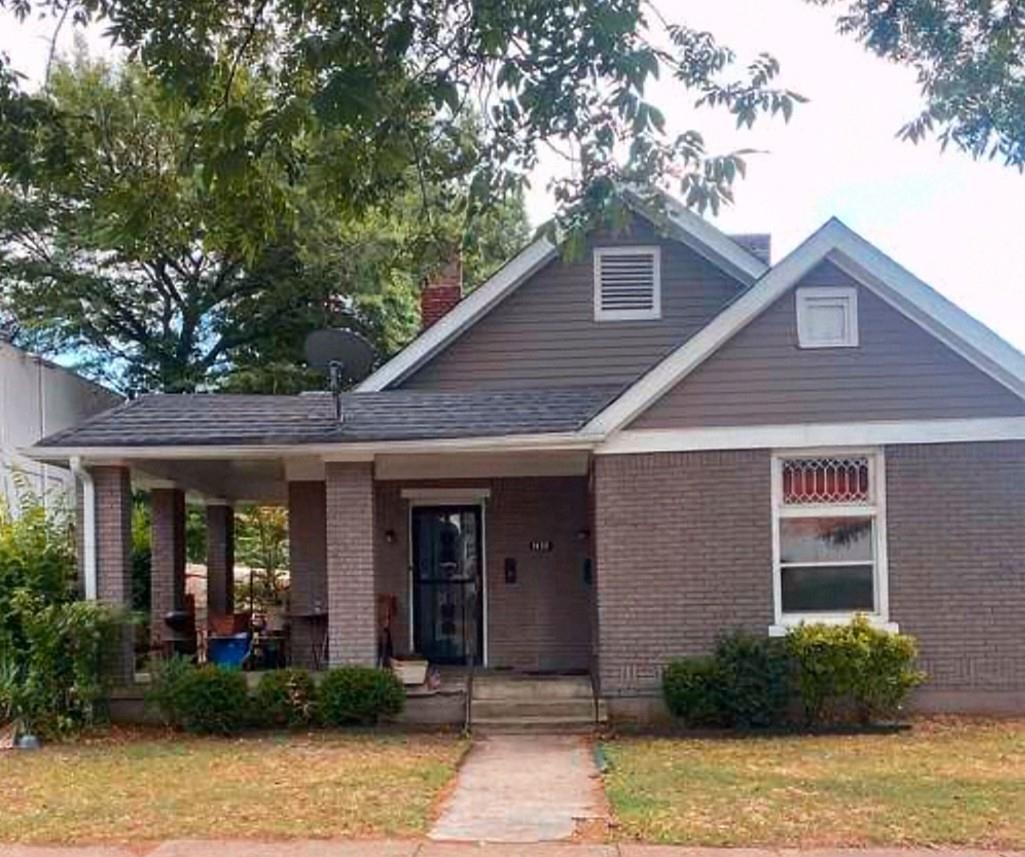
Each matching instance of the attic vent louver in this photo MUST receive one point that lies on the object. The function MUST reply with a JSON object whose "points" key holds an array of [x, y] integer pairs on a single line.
{"points": [[627, 283]]}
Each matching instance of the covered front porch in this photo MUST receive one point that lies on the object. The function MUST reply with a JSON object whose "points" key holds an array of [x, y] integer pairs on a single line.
{"points": [[463, 558]]}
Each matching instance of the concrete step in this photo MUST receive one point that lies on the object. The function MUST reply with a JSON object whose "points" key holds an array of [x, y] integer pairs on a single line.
{"points": [[515, 709], [530, 688], [529, 725]]}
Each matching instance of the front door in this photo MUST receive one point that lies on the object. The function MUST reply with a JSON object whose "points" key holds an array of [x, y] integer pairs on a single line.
{"points": [[448, 584]]}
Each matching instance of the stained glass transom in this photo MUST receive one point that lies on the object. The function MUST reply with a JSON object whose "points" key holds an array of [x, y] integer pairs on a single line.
{"points": [[826, 480]]}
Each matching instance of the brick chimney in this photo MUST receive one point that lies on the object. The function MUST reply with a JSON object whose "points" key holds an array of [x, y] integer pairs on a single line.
{"points": [[441, 291]]}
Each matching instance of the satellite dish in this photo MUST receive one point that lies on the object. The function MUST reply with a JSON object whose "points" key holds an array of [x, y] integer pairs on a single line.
{"points": [[347, 350], [343, 355]]}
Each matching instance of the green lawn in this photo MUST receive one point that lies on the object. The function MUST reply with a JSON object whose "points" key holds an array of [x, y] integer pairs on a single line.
{"points": [[946, 782], [139, 786]]}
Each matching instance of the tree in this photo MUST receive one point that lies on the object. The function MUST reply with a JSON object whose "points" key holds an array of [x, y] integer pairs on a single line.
{"points": [[396, 79], [970, 59], [126, 250]]}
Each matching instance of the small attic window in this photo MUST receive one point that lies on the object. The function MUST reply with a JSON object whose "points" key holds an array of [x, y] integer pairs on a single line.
{"points": [[627, 283], [827, 317]]}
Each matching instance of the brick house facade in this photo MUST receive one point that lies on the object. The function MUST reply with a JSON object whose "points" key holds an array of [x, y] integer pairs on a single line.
{"points": [[599, 464]]}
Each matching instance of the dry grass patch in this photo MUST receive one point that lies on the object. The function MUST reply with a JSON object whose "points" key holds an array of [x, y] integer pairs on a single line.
{"points": [[946, 782], [136, 786]]}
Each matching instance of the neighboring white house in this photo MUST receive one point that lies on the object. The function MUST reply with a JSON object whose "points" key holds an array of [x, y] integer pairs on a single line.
{"points": [[37, 398]]}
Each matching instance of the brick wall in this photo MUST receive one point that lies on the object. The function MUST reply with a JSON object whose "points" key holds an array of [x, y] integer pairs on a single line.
{"points": [[220, 559], [307, 548], [956, 535], [543, 620], [114, 558], [676, 572], [349, 496], [167, 543], [684, 553]]}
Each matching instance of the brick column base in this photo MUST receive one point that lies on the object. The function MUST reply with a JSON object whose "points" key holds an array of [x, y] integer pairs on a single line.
{"points": [[167, 545], [220, 560], [352, 621], [113, 488], [308, 571]]}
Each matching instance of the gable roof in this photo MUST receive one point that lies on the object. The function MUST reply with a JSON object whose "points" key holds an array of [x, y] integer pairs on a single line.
{"points": [[839, 244], [206, 419], [682, 224]]}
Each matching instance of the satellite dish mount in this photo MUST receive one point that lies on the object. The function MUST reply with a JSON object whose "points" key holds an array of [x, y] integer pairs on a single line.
{"points": [[344, 355]]}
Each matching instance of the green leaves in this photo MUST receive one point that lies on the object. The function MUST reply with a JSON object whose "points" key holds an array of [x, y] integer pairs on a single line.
{"points": [[970, 60], [50, 643], [404, 70]]}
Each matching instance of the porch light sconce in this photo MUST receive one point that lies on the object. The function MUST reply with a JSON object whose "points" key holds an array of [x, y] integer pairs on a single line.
{"points": [[510, 569], [389, 536]]}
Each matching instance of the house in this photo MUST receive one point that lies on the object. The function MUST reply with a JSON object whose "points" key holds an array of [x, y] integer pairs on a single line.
{"points": [[38, 398], [599, 463]]}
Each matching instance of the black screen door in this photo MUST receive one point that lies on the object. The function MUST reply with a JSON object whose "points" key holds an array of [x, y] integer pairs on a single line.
{"points": [[447, 584]]}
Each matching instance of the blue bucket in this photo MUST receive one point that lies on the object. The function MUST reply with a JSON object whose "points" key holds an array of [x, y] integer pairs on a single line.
{"points": [[228, 651]]}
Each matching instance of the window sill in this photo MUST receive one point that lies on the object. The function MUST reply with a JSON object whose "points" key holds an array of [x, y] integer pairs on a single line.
{"points": [[790, 622]]}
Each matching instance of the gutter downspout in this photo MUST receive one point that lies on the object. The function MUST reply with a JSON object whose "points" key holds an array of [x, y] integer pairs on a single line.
{"points": [[88, 527]]}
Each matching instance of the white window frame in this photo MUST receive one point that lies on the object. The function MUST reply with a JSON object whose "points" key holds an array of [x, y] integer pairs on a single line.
{"points": [[874, 508], [844, 296], [656, 298]]}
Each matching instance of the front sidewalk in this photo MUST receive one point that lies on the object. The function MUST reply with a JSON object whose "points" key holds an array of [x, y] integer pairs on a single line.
{"points": [[418, 848]]}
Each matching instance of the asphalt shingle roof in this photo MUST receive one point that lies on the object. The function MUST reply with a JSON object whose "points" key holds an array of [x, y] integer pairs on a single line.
{"points": [[204, 419]]}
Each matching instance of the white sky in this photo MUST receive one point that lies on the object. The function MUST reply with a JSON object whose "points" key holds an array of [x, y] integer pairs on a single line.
{"points": [[956, 223]]}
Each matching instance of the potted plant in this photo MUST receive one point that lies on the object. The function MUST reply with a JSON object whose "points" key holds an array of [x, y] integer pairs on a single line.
{"points": [[410, 669]]}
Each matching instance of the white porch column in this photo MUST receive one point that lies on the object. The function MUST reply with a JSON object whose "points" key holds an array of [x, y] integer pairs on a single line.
{"points": [[352, 631]]}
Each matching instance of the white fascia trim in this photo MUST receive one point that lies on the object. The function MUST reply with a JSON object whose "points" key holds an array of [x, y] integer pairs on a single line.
{"points": [[871, 268], [702, 237], [921, 303], [364, 451], [462, 315], [813, 435]]}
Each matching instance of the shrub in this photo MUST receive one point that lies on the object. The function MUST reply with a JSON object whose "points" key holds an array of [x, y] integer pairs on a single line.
{"points": [[51, 643], [164, 692], [285, 698], [852, 671], [359, 695], [755, 682], [207, 699], [693, 690]]}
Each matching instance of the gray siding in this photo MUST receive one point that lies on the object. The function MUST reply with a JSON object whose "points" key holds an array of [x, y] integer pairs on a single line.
{"points": [[544, 334], [899, 371]]}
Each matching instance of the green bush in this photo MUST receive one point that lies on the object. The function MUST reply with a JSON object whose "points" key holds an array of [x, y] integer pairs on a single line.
{"points": [[692, 691], [746, 683], [285, 697], [852, 671], [51, 643], [755, 681], [208, 699], [164, 691], [359, 695]]}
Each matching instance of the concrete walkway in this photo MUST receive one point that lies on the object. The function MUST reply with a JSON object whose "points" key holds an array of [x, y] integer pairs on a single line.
{"points": [[408, 848], [522, 788]]}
